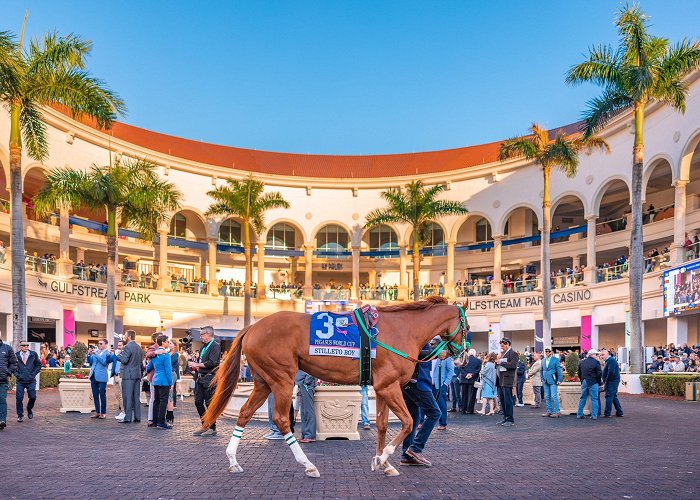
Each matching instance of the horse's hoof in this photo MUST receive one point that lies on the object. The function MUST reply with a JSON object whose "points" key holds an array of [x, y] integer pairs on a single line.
{"points": [[376, 462], [312, 472], [235, 469], [391, 471]]}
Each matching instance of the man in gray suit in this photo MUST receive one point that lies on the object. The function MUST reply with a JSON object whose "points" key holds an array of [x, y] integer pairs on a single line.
{"points": [[131, 359], [307, 387]]}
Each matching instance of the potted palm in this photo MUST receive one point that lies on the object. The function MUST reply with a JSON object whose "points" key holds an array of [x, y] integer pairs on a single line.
{"points": [[74, 387]]}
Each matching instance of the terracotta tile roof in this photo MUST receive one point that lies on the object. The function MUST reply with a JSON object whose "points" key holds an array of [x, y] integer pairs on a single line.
{"points": [[310, 165]]}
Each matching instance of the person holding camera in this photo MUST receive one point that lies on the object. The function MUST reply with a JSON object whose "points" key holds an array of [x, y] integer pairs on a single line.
{"points": [[209, 358]]}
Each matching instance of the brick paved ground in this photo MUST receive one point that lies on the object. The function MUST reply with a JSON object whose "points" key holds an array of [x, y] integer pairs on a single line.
{"points": [[646, 454]]}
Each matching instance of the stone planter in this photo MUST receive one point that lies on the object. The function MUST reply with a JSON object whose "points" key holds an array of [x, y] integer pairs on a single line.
{"points": [[76, 395], [187, 385], [337, 412], [528, 394], [569, 396]]}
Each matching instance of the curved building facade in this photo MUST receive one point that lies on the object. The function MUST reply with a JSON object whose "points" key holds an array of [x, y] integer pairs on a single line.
{"points": [[318, 248]]}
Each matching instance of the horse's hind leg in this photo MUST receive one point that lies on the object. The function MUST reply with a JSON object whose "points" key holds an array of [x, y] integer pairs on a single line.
{"points": [[382, 422], [283, 400], [260, 392], [393, 398]]}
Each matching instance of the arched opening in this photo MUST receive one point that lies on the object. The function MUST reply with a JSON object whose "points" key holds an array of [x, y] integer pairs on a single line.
{"points": [[693, 188], [34, 180], [660, 194], [332, 237], [187, 225], [614, 207], [230, 232], [475, 230], [568, 212], [380, 238], [521, 223], [284, 236], [434, 236]]}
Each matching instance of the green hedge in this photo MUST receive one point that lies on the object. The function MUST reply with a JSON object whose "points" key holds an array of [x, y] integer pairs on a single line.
{"points": [[668, 385], [49, 377]]}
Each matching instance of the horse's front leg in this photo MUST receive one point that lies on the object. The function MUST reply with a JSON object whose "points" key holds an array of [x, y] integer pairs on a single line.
{"points": [[393, 398], [382, 421], [255, 401]]}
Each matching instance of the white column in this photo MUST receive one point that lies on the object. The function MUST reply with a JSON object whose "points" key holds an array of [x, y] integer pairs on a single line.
{"points": [[677, 331], [372, 278], [403, 278], [79, 254], [164, 279], [355, 292], [450, 272], [595, 336], [590, 273], [65, 265], [261, 269], [497, 282], [679, 209], [308, 270], [211, 260]]}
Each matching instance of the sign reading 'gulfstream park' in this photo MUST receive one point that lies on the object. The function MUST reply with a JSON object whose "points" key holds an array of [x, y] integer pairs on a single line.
{"points": [[85, 290], [528, 301]]}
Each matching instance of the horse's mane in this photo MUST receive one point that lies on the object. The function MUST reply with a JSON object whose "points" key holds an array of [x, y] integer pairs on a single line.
{"points": [[426, 303]]}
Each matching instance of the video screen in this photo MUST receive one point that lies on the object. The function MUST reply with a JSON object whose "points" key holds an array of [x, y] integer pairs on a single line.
{"points": [[682, 289]]}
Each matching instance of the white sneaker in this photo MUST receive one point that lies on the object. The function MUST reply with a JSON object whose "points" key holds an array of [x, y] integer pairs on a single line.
{"points": [[520, 404], [120, 416]]}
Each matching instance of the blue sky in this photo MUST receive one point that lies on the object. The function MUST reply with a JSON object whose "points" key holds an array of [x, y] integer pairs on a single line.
{"points": [[344, 77]]}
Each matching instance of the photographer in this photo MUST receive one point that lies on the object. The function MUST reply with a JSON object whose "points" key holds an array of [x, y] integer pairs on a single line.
{"points": [[209, 358]]}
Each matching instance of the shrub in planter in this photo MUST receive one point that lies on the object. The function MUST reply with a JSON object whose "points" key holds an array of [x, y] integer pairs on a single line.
{"points": [[50, 376], [78, 354], [572, 362], [667, 385]]}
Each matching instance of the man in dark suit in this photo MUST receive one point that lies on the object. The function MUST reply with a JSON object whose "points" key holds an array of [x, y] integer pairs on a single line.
{"points": [[209, 358], [8, 365], [611, 381], [506, 366], [28, 367], [468, 375], [590, 374], [131, 359]]}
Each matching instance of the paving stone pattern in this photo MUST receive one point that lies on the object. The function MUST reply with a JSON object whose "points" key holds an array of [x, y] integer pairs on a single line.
{"points": [[643, 455]]}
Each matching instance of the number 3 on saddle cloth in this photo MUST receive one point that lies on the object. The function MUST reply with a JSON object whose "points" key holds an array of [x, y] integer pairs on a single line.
{"points": [[340, 335]]}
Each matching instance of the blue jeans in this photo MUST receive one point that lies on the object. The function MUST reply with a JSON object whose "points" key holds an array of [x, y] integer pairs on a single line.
{"points": [[611, 398], [441, 398], [3, 402], [19, 396], [99, 395], [586, 391], [551, 397], [364, 406], [424, 400], [270, 407], [456, 393]]}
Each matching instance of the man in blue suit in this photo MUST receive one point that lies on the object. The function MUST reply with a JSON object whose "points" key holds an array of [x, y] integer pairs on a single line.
{"points": [[443, 370], [28, 366], [611, 381], [552, 376], [99, 377], [468, 375]]}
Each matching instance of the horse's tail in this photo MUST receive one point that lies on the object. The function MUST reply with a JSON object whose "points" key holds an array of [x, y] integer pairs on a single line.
{"points": [[225, 381]]}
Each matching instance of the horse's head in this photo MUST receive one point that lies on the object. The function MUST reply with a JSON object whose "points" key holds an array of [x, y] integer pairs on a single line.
{"points": [[457, 337]]}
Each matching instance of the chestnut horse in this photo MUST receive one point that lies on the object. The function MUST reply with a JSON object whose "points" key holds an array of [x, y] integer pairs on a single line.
{"points": [[278, 345]]}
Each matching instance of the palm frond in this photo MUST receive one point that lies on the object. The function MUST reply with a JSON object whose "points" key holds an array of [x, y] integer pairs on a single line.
{"points": [[33, 132], [680, 59], [562, 154], [442, 208], [64, 188], [54, 51], [9, 67], [380, 216], [632, 27], [602, 109], [601, 68], [517, 147]]}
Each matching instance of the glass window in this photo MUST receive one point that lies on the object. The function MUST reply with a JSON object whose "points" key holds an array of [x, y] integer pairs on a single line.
{"points": [[230, 232], [178, 226], [332, 237], [281, 236], [436, 237], [483, 230], [383, 238]]}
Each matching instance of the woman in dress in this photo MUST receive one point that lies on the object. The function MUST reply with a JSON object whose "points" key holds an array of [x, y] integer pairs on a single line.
{"points": [[488, 385]]}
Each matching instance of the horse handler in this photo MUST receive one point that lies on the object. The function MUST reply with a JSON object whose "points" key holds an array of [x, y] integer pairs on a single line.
{"points": [[418, 394]]}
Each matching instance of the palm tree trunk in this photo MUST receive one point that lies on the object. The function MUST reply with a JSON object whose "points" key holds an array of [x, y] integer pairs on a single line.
{"points": [[416, 266], [546, 280], [248, 267], [19, 295], [111, 271], [637, 246]]}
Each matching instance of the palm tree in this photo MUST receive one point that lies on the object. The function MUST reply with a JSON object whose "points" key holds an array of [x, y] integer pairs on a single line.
{"points": [[560, 152], [417, 206], [129, 189], [50, 72], [247, 200], [642, 70]]}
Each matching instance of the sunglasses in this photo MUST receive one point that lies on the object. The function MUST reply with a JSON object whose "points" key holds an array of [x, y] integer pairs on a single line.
{"points": [[24, 345]]}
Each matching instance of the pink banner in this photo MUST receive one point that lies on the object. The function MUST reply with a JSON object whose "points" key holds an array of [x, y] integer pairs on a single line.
{"points": [[586, 329], [68, 327]]}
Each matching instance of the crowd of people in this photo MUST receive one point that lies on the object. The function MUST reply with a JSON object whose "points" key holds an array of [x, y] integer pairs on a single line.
{"points": [[675, 359]]}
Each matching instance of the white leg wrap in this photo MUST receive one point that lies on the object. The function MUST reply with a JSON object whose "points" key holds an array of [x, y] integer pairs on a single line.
{"points": [[233, 447], [386, 453], [299, 455]]}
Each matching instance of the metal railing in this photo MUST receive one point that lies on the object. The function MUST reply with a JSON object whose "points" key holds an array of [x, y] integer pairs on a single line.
{"points": [[611, 226], [40, 264], [658, 214], [473, 290], [611, 273], [567, 279], [386, 293], [691, 252], [519, 285], [88, 273], [332, 294], [284, 292], [236, 290]]}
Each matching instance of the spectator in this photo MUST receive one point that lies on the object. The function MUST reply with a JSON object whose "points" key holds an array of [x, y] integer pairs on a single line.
{"points": [[130, 359], [28, 366], [443, 370], [488, 385], [161, 367], [507, 364], [98, 379], [67, 365], [535, 374], [552, 376], [611, 381], [8, 365], [307, 387], [117, 380], [520, 373], [175, 367], [589, 373], [364, 408], [455, 391], [206, 367], [468, 373]]}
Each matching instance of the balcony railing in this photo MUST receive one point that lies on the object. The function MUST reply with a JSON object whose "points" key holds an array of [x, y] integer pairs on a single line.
{"points": [[473, 290], [332, 294], [94, 274], [519, 285], [691, 252], [40, 264]]}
